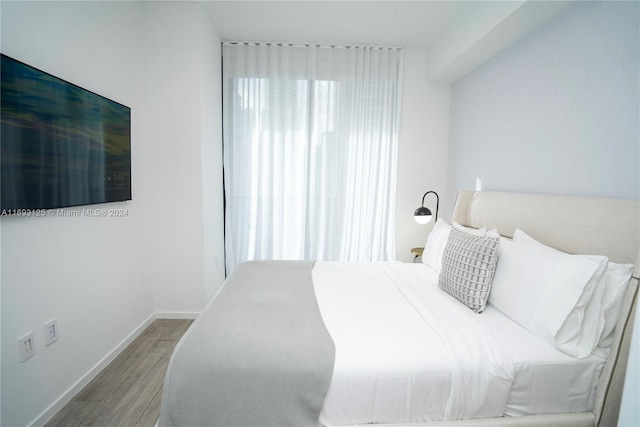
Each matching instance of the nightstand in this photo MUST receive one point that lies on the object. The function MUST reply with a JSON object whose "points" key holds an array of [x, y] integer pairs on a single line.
{"points": [[416, 252]]}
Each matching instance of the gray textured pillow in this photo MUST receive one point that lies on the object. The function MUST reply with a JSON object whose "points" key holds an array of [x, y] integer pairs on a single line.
{"points": [[468, 266]]}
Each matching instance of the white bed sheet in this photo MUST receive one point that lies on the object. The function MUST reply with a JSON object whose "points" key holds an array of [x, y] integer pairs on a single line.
{"points": [[547, 381], [393, 363]]}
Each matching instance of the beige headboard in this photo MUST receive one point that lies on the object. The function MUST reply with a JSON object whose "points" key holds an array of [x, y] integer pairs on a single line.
{"points": [[579, 225]]}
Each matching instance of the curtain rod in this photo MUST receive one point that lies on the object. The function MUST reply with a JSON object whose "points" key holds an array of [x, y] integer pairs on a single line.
{"points": [[295, 44]]}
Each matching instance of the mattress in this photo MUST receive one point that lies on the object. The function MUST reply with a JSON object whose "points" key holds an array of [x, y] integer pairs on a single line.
{"points": [[395, 362]]}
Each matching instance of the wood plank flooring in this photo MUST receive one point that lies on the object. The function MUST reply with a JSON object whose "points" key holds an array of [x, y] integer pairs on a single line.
{"points": [[128, 391]]}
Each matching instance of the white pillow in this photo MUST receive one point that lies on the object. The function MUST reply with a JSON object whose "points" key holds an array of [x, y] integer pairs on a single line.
{"points": [[616, 282], [548, 292], [437, 240], [614, 288]]}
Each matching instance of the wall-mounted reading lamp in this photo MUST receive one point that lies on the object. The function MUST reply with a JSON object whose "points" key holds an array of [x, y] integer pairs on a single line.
{"points": [[423, 215]]}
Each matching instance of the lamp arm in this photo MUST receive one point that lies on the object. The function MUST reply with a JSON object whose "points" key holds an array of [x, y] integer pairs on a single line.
{"points": [[437, 201]]}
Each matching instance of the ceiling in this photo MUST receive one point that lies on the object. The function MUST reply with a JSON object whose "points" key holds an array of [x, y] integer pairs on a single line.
{"points": [[411, 24], [457, 35]]}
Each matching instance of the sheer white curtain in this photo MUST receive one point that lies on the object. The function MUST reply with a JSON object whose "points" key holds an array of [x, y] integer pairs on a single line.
{"points": [[310, 148]]}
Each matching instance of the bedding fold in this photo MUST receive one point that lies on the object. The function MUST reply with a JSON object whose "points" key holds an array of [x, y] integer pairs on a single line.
{"points": [[263, 353]]}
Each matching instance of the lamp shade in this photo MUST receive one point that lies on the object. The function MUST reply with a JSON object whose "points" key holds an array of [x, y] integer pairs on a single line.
{"points": [[422, 215]]}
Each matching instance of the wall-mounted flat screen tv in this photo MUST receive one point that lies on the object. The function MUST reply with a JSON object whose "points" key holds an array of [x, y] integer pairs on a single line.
{"points": [[61, 145]]}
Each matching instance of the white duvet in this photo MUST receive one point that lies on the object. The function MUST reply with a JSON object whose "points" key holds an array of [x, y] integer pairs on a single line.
{"points": [[408, 352], [405, 351]]}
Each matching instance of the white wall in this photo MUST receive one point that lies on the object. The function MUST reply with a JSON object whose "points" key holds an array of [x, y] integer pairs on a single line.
{"points": [[183, 228], [104, 278], [557, 112], [422, 151], [85, 272]]}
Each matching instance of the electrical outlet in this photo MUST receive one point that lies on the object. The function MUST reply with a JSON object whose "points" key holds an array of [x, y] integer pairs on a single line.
{"points": [[27, 346], [50, 332]]}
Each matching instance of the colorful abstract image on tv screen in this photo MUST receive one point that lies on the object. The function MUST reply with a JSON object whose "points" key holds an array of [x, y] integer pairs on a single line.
{"points": [[61, 145]]}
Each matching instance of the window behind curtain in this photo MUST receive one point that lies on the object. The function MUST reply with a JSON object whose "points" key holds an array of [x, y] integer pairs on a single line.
{"points": [[310, 142]]}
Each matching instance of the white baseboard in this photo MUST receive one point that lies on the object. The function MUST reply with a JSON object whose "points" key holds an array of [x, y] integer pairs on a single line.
{"points": [[68, 395]]}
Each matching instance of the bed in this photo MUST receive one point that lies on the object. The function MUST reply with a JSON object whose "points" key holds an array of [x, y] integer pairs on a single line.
{"points": [[299, 343]]}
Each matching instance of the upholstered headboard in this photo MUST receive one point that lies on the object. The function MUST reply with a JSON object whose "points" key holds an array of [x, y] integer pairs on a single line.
{"points": [[585, 225], [579, 225]]}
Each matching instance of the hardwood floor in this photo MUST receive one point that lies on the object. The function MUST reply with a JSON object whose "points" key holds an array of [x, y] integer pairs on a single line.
{"points": [[128, 391]]}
